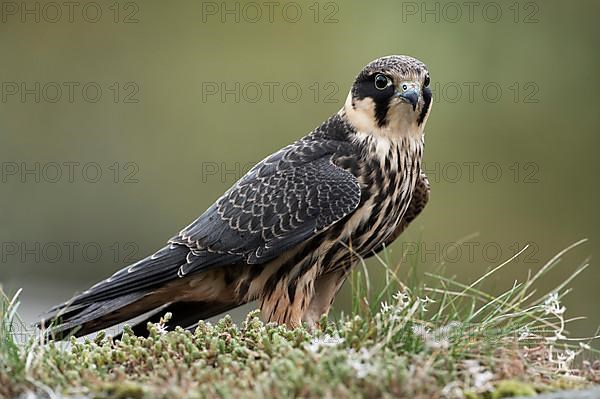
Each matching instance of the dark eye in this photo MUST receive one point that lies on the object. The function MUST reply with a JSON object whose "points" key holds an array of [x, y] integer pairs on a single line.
{"points": [[426, 82], [382, 82]]}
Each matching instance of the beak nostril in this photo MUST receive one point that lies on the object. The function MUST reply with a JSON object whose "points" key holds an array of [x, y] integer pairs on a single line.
{"points": [[411, 96]]}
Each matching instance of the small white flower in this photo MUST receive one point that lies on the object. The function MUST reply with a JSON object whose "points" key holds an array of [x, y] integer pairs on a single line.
{"points": [[161, 329], [402, 300], [524, 333], [482, 381], [359, 361], [564, 360], [400, 296], [452, 390], [552, 305], [480, 376], [425, 301], [385, 307]]}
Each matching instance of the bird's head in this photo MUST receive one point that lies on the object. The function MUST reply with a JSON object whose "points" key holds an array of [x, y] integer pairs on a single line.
{"points": [[390, 97]]}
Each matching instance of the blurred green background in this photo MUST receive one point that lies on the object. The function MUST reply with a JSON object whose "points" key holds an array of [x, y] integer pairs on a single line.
{"points": [[165, 106]]}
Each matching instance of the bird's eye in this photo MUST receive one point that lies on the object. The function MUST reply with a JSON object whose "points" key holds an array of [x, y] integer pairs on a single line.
{"points": [[382, 82], [426, 82]]}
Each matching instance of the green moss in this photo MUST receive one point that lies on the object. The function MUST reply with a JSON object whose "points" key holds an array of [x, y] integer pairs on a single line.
{"points": [[562, 383], [512, 388], [124, 390]]}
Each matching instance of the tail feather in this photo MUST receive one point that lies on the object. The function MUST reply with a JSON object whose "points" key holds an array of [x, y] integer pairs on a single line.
{"points": [[143, 287], [128, 293], [97, 316]]}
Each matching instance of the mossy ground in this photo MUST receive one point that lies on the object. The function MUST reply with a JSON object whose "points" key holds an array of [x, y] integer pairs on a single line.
{"points": [[435, 339]]}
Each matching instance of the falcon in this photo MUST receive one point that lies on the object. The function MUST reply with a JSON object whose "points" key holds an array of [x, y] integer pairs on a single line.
{"points": [[288, 233]]}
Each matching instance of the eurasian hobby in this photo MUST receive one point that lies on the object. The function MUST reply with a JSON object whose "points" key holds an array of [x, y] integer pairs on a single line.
{"points": [[288, 232]]}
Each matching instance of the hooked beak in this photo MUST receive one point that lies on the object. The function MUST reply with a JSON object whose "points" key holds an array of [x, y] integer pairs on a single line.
{"points": [[411, 96]]}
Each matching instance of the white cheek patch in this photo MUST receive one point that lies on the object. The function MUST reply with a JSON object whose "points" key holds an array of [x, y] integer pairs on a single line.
{"points": [[402, 121], [362, 114]]}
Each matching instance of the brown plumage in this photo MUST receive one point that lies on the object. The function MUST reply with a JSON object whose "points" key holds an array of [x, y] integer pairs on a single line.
{"points": [[287, 233]]}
